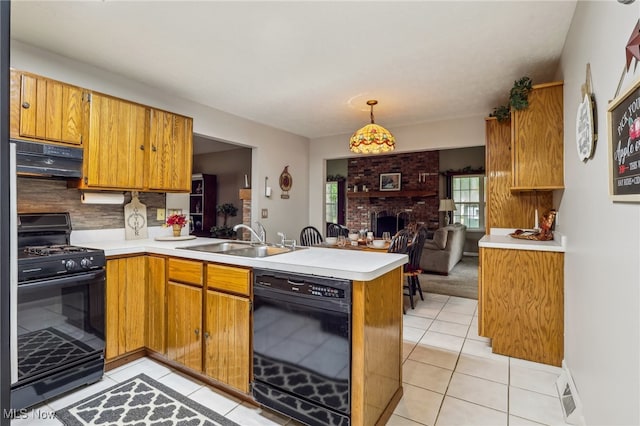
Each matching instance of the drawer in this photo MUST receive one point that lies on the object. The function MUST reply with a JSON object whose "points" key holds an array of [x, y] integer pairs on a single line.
{"points": [[228, 278], [185, 271]]}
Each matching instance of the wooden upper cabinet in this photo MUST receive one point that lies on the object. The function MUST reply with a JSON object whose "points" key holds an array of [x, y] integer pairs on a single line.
{"points": [[127, 146], [537, 145], [170, 152], [506, 209], [46, 110], [115, 149]]}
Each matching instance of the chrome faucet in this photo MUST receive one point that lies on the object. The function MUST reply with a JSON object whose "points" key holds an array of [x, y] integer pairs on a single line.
{"points": [[262, 231], [260, 238], [284, 241]]}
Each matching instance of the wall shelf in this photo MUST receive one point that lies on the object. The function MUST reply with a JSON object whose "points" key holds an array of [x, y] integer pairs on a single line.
{"points": [[392, 194]]}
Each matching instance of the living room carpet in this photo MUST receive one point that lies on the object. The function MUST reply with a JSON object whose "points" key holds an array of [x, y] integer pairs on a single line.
{"points": [[462, 281], [140, 401]]}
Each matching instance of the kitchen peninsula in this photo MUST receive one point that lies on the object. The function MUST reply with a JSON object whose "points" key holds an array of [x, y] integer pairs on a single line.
{"points": [[213, 294]]}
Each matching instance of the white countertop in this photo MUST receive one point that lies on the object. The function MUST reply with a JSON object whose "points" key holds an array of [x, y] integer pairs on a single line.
{"points": [[327, 262], [499, 238]]}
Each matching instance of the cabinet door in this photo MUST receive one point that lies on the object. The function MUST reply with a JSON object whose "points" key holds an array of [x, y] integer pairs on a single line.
{"points": [[115, 151], [537, 140], [227, 339], [125, 301], [170, 152], [50, 110], [156, 304], [523, 303], [184, 324]]}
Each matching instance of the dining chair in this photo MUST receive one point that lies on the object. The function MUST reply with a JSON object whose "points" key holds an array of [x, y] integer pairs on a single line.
{"points": [[335, 230], [310, 236], [399, 242], [412, 269]]}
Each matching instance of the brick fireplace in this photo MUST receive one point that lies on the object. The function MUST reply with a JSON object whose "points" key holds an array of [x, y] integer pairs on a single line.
{"points": [[418, 190]]}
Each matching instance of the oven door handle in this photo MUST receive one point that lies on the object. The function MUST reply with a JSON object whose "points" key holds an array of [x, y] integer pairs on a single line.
{"points": [[63, 281]]}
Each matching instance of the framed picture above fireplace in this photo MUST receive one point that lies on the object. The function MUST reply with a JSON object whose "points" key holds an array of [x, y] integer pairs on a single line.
{"points": [[390, 181]]}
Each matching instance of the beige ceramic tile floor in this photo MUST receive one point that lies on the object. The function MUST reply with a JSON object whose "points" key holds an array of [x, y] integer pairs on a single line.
{"points": [[450, 378]]}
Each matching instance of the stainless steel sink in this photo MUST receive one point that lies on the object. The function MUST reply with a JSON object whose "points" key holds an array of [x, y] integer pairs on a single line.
{"points": [[244, 249], [219, 247], [260, 251]]}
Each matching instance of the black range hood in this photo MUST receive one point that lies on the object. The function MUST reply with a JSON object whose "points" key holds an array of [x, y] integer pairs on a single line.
{"points": [[47, 160]]}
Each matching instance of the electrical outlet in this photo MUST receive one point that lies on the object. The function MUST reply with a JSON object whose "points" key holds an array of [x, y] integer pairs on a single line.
{"points": [[265, 213], [160, 214]]}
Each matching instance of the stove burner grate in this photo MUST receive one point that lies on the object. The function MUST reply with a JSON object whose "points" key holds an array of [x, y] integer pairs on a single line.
{"points": [[53, 249]]}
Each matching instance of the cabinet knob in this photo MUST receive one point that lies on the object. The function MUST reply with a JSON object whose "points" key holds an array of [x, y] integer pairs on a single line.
{"points": [[153, 148], [141, 147], [25, 105], [206, 334], [197, 331]]}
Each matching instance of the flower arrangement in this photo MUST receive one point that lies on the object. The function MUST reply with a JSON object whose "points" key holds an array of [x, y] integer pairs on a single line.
{"points": [[177, 219]]}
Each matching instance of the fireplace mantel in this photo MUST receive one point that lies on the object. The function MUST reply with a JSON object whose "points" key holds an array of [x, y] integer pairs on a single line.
{"points": [[392, 194]]}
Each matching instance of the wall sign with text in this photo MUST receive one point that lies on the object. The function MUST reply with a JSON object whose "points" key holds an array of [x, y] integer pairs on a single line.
{"points": [[623, 120]]}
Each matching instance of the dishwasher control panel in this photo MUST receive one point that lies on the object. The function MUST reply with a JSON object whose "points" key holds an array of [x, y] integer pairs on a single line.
{"points": [[300, 284]]}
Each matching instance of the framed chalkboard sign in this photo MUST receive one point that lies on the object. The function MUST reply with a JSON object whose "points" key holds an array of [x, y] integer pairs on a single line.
{"points": [[623, 119]]}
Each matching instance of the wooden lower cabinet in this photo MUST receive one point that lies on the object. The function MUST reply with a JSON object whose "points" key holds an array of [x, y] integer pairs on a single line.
{"points": [[227, 338], [228, 326], [156, 304], [184, 324], [125, 305], [521, 303]]}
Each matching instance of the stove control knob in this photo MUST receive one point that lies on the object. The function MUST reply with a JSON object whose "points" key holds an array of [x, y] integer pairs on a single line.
{"points": [[85, 263], [70, 265]]}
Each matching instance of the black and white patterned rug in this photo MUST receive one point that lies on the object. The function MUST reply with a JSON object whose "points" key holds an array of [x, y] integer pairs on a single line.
{"points": [[140, 401]]}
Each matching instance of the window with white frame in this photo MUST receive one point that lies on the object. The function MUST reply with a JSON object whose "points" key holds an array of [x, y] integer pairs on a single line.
{"points": [[331, 202], [468, 193]]}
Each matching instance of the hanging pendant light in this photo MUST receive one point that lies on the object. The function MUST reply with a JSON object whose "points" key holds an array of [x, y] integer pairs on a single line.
{"points": [[372, 138]]}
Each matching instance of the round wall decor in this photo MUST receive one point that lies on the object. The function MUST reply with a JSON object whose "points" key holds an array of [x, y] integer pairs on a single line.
{"points": [[286, 181]]}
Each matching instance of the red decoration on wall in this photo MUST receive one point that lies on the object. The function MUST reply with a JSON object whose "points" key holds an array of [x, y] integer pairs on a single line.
{"points": [[633, 45]]}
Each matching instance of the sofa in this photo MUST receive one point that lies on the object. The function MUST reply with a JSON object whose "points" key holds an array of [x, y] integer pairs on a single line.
{"points": [[444, 250]]}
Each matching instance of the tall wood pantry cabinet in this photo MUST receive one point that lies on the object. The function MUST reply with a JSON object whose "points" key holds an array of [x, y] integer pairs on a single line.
{"points": [[202, 203]]}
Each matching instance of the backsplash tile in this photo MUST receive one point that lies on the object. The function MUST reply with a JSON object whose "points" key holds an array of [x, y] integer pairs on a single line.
{"points": [[36, 195]]}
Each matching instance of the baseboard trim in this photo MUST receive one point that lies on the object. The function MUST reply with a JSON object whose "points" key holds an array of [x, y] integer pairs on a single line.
{"points": [[569, 399], [470, 253]]}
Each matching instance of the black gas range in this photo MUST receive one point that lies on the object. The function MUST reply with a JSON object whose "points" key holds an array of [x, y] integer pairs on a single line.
{"points": [[44, 248], [35, 262], [58, 334]]}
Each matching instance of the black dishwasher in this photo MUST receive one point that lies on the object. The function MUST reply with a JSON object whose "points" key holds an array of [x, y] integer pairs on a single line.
{"points": [[302, 346]]}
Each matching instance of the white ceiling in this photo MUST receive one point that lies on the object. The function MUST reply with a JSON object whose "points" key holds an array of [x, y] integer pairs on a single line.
{"points": [[309, 67]]}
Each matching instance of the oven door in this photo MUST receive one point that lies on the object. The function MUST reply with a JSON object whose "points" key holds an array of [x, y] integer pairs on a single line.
{"points": [[302, 357], [60, 324]]}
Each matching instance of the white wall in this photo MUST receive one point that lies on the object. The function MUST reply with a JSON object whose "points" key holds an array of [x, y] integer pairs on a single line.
{"points": [[275, 148], [457, 133], [602, 276]]}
